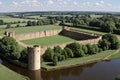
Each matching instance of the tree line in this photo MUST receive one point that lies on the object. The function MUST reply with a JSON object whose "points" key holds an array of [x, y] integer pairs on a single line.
{"points": [[41, 22], [75, 50], [107, 23]]}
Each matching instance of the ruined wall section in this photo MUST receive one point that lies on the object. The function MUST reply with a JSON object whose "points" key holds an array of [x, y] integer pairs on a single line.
{"points": [[37, 34], [77, 35]]}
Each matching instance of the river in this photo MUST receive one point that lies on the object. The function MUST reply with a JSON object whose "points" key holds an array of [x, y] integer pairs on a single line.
{"points": [[104, 70]]}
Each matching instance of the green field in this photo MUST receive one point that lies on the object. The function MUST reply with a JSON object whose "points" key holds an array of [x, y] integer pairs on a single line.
{"points": [[96, 16], [78, 61], [9, 19], [35, 17], [57, 39], [22, 30], [7, 74], [88, 31], [13, 25]]}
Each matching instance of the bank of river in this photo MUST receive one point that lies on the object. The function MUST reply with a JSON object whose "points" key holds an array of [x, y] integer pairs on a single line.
{"points": [[7, 74], [103, 70]]}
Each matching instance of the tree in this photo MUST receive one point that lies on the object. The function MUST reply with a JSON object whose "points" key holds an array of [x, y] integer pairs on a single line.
{"points": [[1, 22], [69, 53], [96, 48], [55, 60], [9, 47], [29, 23], [24, 56], [64, 53], [48, 56], [75, 47], [85, 49], [91, 49], [80, 53], [58, 49], [109, 26], [8, 26], [114, 42], [34, 23]]}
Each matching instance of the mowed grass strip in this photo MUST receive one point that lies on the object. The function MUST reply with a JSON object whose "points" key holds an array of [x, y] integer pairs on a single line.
{"points": [[78, 61], [22, 30], [7, 74], [57, 39]]}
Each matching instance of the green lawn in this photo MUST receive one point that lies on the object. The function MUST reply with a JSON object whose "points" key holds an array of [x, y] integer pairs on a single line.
{"points": [[10, 19], [57, 39], [22, 30], [76, 61], [115, 56], [35, 17], [96, 16], [12, 25], [88, 31], [7, 74]]}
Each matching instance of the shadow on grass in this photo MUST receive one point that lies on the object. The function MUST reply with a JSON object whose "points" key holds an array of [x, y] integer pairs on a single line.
{"points": [[50, 64]]}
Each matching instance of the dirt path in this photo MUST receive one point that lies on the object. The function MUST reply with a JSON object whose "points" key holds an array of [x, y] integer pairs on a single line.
{"points": [[22, 44], [107, 58]]}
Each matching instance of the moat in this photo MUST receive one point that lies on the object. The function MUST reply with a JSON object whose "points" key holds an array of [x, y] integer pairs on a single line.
{"points": [[104, 70]]}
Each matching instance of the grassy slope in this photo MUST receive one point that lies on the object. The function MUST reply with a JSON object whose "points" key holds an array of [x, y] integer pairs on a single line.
{"points": [[22, 30], [57, 39], [75, 61], [7, 74]]}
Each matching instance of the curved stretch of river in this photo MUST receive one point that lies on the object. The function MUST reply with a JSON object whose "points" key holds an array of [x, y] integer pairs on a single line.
{"points": [[97, 71]]}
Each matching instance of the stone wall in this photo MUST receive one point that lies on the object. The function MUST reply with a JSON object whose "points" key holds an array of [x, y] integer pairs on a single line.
{"points": [[77, 35], [37, 34], [83, 42]]}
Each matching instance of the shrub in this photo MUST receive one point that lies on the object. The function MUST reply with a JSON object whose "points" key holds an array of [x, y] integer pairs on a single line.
{"points": [[80, 53], [96, 48], [65, 54], [75, 47], [48, 56], [69, 53], [24, 56], [104, 44], [58, 49], [85, 49], [91, 49], [61, 57], [55, 60]]}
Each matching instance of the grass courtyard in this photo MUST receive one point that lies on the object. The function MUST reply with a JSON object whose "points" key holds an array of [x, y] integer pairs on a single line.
{"points": [[57, 39], [22, 30], [7, 74]]}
